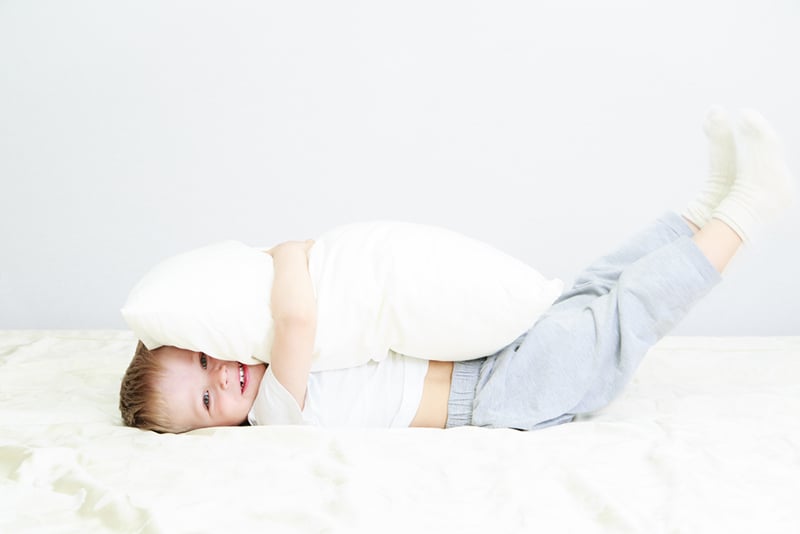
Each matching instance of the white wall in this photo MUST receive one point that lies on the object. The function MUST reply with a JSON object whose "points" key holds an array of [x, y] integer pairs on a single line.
{"points": [[130, 131]]}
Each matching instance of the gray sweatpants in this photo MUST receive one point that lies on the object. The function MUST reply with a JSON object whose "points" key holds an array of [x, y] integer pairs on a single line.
{"points": [[580, 354]]}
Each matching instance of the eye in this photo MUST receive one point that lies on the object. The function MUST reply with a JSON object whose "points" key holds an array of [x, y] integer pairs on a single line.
{"points": [[206, 399], [203, 360]]}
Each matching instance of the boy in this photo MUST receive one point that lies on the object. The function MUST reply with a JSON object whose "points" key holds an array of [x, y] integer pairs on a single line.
{"points": [[575, 359]]}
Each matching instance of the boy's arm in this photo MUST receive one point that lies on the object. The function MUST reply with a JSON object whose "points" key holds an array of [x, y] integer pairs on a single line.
{"points": [[294, 314]]}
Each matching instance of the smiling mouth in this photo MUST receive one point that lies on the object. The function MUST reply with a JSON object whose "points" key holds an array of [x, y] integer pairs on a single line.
{"points": [[241, 377]]}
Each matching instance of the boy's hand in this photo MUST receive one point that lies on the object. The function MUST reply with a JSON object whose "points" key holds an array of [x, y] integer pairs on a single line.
{"points": [[294, 315], [305, 246]]}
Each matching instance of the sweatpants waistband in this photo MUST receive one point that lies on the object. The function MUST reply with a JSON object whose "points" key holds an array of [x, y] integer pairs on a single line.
{"points": [[462, 392]]}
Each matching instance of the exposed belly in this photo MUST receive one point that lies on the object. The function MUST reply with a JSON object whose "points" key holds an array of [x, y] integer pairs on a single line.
{"points": [[432, 410]]}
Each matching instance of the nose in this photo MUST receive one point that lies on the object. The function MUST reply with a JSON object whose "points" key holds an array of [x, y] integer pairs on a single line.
{"points": [[221, 376]]}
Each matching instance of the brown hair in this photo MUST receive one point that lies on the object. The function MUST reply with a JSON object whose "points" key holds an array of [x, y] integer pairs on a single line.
{"points": [[140, 402]]}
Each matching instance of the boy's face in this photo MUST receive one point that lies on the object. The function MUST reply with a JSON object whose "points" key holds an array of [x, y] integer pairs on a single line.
{"points": [[201, 391]]}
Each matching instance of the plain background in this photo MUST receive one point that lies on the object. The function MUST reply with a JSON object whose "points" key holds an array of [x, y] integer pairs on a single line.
{"points": [[131, 131]]}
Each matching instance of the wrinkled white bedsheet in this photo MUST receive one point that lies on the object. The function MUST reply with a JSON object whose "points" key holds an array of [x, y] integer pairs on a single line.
{"points": [[706, 439]]}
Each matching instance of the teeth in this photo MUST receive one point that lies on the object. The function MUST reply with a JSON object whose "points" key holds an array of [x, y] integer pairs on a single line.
{"points": [[241, 376]]}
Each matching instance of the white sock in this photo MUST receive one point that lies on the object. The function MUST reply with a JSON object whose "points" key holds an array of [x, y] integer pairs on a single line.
{"points": [[722, 167], [764, 186]]}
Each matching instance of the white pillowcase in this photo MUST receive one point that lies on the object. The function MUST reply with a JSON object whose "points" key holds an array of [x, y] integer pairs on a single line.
{"points": [[213, 299], [417, 290]]}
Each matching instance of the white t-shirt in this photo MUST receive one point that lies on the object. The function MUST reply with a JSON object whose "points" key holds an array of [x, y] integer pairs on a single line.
{"points": [[377, 394]]}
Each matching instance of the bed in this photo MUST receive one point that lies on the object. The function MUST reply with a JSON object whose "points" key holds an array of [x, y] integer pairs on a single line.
{"points": [[705, 439]]}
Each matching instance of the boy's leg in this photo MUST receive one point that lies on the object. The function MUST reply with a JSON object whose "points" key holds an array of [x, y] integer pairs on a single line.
{"points": [[651, 311], [602, 275], [549, 368], [577, 357], [718, 242]]}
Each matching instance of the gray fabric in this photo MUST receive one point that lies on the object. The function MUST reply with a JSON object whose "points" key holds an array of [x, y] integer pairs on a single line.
{"points": [[583, 351], [462, 392]]}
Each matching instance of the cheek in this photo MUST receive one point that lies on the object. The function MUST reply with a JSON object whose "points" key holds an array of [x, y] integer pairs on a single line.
{"points": [[233, 403]]}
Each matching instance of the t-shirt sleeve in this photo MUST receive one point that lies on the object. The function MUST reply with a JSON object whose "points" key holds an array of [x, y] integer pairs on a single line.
{"points": [[274, 405]]}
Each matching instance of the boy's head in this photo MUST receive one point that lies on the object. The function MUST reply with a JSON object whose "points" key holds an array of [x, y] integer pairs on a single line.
{"points": [[175, 390]]}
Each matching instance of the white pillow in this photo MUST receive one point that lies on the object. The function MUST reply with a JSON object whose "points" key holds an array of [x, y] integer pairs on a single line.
{"points": [[418, 290], [213, 299]]}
